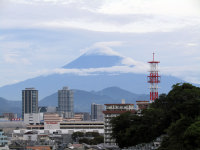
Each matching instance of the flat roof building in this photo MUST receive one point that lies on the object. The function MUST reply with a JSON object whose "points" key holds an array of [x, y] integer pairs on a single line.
{"points": [[29, 101], [66, 102], [114, 110]]}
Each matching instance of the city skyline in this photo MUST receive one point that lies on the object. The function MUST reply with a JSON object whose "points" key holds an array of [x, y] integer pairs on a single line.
{"points": [[39, 37], [66, 64]]}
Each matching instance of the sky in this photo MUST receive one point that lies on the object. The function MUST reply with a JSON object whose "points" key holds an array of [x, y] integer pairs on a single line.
{"points": [[37, 37]]}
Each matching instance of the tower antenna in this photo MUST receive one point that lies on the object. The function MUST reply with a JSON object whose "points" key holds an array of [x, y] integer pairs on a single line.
{"points": [[153, 79]]}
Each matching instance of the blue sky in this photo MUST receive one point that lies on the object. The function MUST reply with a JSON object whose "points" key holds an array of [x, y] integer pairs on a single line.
{"points": [[39, 36]]}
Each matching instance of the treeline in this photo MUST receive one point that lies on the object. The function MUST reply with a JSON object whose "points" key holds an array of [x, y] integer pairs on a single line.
{"points": [[175, 115]]}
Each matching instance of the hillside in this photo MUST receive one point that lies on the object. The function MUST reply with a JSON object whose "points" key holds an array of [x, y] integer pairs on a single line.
{"points": [[84, 99], [10, 106]]}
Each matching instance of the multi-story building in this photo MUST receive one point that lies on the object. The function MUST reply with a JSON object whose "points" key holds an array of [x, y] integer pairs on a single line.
{"points": [[82, 126], [10, 116], [114, 110], [3, 139], [29, 101], [97, 112], [86, 116], [69, 127], [52, 121], [66, 102]]}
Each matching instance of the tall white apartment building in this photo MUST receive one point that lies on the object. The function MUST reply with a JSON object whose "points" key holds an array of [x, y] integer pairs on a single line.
{"points": [[66, 103], [29, 101], [97, 112]]}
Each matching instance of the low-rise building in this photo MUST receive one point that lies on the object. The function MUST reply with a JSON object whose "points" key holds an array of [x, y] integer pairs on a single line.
{"points": [[3, 139], [33, 118], [10, 116], [52, 121], [82, 126], [30, 136]]}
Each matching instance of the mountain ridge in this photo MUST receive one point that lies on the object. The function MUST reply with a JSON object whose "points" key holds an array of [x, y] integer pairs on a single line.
{"points": [[82, 99], [92, 74]]}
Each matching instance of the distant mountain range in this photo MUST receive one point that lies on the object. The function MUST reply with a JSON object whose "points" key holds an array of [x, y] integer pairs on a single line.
{"points": [[82, 99], [10, 106], [94, 70]]}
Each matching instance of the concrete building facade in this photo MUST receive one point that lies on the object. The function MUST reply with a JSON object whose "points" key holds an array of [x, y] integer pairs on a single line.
{"points": [[33, 118], [52, 121], [29, 101], [97, 112], [66, 102]]}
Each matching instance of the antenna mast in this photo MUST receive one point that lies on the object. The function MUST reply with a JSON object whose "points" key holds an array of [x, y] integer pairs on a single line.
{"points": [[153, 79]]}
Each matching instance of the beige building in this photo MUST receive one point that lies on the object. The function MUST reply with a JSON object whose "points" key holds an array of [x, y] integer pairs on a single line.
{"points": [[114, 110], [52, 121], [82, 126]]}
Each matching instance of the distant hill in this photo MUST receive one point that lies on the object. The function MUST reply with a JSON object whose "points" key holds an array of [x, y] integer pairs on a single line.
{"points": [[117, 93], [84, 99], [10, 106]]}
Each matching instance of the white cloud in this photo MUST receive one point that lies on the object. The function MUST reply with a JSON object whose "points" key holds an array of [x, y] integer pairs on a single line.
{"points": [[186, 72], [15, 58], [162, 7], [10, 57], [94, 71], [132, 18], [102, 48], [138, 16], [191, 44]]}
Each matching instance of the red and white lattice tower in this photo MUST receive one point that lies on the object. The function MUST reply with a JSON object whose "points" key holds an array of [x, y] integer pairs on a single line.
{"points": [[153, 79]]}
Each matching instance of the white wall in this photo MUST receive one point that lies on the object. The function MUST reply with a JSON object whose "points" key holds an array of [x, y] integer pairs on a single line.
{"points": [[33, 118]]}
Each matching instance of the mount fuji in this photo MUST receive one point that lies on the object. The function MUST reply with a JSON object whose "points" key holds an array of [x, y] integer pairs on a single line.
{"points": [[95, 69]]}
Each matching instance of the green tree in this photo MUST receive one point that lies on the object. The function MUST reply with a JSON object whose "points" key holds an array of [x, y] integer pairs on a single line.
{"points": [[174, 115], [191, 136], [76, 135]]}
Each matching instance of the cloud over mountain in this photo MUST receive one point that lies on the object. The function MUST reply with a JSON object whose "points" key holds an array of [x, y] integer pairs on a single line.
{"points": [[101, 58], [97, 68]]}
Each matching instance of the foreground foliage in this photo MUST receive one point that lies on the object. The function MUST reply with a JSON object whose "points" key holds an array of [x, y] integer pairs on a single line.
{"points": [[176, 115]]}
